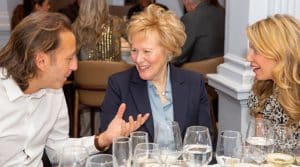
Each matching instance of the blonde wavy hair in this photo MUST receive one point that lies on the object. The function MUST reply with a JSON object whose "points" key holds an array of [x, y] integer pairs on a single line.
{"points": [[278, 37], [88, 26], [156, 19]]}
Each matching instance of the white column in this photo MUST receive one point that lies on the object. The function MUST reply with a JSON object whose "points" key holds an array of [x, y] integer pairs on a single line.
{"points": [[4, 22], [234, 77]]}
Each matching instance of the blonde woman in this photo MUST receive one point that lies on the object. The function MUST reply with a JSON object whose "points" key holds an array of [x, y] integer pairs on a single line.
{"points": [[98, 34], [154, 85], [275, 58]]}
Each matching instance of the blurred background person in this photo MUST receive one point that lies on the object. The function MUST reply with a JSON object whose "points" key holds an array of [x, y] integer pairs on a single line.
{"points": [[154, 85], [141, 5], [98, 37], [71, 11], [274, 55], [97, 32], [28, 6], [205, 37]]}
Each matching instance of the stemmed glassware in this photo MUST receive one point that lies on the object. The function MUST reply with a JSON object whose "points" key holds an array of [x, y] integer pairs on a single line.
{"points": [[73, 154], [260, 135], [296, 152], [197, 150], [146, 154], [282, 155], [121, 152], [100, 160], [229, 148], [138, 137], [168, 138]]}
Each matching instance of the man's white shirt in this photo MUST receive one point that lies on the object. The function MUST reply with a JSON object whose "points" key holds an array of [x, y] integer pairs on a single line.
{"points": [[30, 123]]}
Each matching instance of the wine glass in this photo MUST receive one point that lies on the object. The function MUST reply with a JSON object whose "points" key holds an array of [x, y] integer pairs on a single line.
{"points": [[197, 150], [168, 138], [146, 154], [121, 152], [260, 135], [143, 159], [100, 160], [249, 154], [282, 155], [229, 148], [73, 155], [296, 152], [283, 138], [136, 138]]}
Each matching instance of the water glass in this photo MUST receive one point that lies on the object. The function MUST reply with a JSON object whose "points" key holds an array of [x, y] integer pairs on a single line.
{"points": [[146, 154], [229, 148], [146, 148], [144, 159], [100, 160], [197, 149], [138, 137], [250, 155], [121, 152], [73, 155], [260, 135], [168, 138]]}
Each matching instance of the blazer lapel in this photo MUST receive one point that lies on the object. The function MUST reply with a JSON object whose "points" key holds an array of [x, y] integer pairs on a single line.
{"points": [[180, 94], [139, 91]]}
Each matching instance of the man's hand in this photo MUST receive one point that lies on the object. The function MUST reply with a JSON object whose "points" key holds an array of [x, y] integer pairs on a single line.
{"points": [[119, 127]]}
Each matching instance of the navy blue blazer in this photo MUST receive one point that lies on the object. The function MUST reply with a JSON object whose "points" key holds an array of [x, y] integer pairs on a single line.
{"points": [[190, 100]]}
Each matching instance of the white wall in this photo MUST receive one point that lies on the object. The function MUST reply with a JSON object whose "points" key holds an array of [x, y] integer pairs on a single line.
{"points": [[11, 4], [6, 10]]}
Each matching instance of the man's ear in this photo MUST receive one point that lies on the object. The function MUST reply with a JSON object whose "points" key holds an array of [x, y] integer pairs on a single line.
{"points": [[41, 60]]}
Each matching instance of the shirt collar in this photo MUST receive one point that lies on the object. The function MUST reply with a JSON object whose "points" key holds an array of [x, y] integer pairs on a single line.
{"points": [[168, 84], [12, 88]]}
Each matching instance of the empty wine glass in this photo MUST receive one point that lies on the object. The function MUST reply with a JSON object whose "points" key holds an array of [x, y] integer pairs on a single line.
{"points": [[146, 154], [229, 148], [143, 159], [249, 154], [121, 152], [168, 138], [260, 134], [145, 148], [73, 155], [100, 160], [197, 150], [138, 137]]}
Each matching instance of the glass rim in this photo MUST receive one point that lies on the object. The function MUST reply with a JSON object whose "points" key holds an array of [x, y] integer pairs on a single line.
{"points": [[230, 133], [142, 133], [147, 144], [121, 139], [197, 128]]}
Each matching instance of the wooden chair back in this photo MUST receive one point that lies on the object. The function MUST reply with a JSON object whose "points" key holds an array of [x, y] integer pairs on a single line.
{"points": [[91, 82]]}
